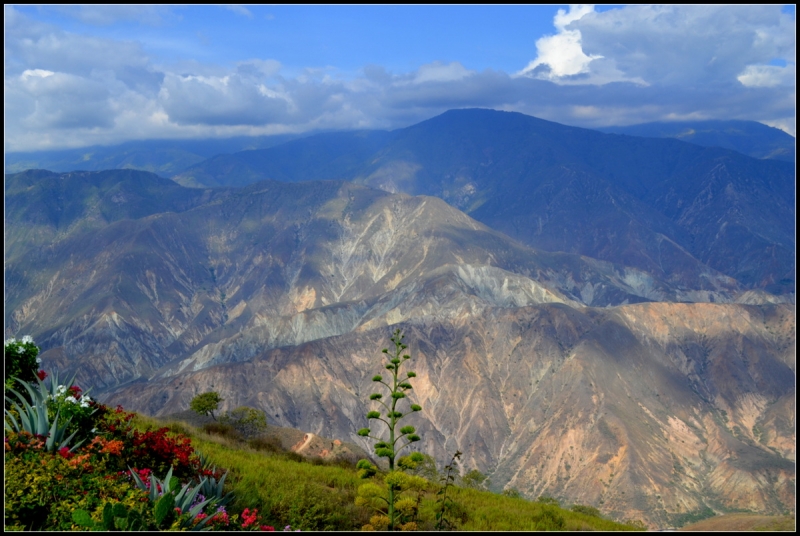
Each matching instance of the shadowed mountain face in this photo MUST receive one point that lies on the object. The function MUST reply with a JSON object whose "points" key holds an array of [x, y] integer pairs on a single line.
{"points": [[553, 372], [666, 207], [165, 157]]}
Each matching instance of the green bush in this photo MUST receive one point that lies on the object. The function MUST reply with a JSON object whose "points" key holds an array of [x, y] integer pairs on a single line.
{"points": [[222, 430], [586, 510], [248, 422]]}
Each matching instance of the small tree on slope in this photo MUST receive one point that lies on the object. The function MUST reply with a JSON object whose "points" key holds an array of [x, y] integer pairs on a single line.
{"points": [[206, 403]]}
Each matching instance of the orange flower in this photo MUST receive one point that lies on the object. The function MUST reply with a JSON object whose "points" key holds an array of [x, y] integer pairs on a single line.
{"points": [[113, 447], [80, 461]]}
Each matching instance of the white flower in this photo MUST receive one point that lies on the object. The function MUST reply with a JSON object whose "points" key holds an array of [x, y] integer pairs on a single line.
{"points": [[10, 341], [71, 399], [38, 360], [61, 389], [84, 404], [26, 339], [94, 430]]}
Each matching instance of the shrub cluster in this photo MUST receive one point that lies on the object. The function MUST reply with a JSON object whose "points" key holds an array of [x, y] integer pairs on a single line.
{"points": [[102, 472]]}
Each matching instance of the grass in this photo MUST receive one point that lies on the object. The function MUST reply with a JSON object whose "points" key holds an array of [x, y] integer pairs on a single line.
{"points": [[744, 522], [288, 489]]}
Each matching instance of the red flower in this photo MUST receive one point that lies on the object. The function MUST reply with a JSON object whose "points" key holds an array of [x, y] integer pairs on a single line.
{"points": [[267, 528], [65, 453], [249, 518], [42, 375], [76, 391]]}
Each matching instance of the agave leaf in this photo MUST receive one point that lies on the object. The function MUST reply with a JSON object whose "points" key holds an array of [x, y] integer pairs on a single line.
{"points": [[168, 481], [51, 434], [42, 422], [197, 509], [24, 418], [139, 483], [78, 444], [180, 496], [21, 398], [154, 487], [14, 424]]}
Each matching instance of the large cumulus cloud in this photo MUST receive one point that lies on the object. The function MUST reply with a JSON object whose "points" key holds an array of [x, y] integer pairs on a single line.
{"points": [[623, 66]]}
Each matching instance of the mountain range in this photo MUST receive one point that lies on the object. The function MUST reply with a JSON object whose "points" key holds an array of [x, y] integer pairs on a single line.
{"points": [[602, 318], [747, 137], [673, 209]]}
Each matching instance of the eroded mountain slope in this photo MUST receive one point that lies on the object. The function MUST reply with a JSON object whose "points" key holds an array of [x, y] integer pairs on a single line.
{"points": [[649, 410], [121, 281]]}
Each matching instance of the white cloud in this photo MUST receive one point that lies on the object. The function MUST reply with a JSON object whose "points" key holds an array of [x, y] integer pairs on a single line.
{"points": [[265, 68], [561, 54], [105, 15], [687, 44], [240, 10], [41, 73], [768, 76], [667, 45], [440, 72]]}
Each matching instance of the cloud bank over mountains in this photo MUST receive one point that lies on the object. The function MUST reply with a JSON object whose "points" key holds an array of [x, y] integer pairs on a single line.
{"points": [[66, 88]]}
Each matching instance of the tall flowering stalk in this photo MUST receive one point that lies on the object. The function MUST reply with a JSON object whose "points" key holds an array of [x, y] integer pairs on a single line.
{"points": [[391, 416]]}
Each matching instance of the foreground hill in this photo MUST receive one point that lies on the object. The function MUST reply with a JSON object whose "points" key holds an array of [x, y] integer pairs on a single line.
{"points": [[673, 209], [541, 367]]}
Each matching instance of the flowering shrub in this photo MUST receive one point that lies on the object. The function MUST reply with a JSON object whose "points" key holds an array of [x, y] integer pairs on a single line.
{"points": [[159, 451], [21, 361], [43, 489], [90, 485], [71, 403]]}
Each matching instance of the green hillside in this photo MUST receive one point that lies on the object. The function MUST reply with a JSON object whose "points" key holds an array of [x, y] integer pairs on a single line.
{"points": [[271, 486], [312, 494]]}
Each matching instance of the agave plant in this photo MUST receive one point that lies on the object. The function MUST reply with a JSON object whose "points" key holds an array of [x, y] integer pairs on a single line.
{"points": [[33, 417], [164, 492], [211, 487]]}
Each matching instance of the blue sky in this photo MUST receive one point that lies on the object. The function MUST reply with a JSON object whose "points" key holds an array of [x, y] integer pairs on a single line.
{"points": [[83, 75]]}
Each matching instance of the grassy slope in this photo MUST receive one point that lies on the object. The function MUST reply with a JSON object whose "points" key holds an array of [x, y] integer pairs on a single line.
{"points": [[743, 522], [314, 495]]}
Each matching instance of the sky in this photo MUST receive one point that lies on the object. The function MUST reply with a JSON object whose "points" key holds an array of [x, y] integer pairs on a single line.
{"points": [[78, 76]]}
